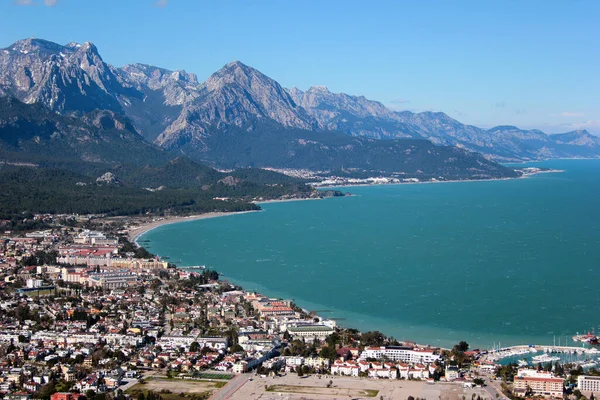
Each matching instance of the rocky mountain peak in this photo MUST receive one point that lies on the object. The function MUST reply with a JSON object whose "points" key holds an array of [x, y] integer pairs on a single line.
{"points": [[73, 45], [318, 89], [236, 73], [237, 94], [177, 87], [33, 45]]}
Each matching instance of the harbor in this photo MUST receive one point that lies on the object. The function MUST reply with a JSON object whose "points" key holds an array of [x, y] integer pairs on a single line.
{"points": [[534, 355]]}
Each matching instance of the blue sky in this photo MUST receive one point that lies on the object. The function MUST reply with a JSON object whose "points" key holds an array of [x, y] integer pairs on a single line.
{"points": [[534, 64]]}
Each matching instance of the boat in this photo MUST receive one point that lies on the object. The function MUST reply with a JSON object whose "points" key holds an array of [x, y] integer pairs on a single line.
{"points": [[201, 267], [544, 358]]}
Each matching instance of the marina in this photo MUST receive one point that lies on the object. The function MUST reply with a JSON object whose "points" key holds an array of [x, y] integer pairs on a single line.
{"points": [[534, 355]]}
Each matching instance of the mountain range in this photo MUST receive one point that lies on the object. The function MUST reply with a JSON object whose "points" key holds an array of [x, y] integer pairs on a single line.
{"points": [[89, 110]]}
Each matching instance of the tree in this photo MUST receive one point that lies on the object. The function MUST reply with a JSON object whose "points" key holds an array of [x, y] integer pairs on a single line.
{"points": [[461, 346], [328, 352], [236, 348], [373, 338], [558, 369], [47, 390]]}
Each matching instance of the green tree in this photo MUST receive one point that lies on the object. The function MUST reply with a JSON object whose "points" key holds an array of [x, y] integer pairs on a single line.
{"points": [[461, 346], [328, 352], [47, 390]]}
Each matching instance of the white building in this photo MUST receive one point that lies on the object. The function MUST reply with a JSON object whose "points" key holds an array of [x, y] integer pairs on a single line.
{"points": [[344, 368], [240, 367], [112, 280], [587, 383], [310, 332], [94, 238], [317, 362], [34, 283], [82, 338], [401, 353], [386, 373]]}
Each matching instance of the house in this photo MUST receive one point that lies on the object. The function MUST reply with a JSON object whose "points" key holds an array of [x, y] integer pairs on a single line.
{"points": [[419, 371], [31, 386], [348, 368], [451, 373], [240, 367], [403, 369], [385, 373]]}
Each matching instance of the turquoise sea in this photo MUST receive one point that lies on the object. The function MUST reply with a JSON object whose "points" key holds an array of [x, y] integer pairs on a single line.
{"points": [[512, 261]]}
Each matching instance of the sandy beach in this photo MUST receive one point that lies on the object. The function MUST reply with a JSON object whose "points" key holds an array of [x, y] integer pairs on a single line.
{"points": [[136, 231]]}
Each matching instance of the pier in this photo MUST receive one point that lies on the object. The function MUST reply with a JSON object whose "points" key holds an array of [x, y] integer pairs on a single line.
{"points": [[201, 267]]}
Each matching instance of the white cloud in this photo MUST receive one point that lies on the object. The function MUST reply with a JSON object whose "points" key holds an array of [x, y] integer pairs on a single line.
{"points": [[48, 3], [567, 114], [161, 3], [592, 124], [571, 114]]}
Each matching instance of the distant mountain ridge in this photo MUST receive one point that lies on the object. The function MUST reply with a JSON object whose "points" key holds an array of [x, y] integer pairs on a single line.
{"points": [[238, 112]]}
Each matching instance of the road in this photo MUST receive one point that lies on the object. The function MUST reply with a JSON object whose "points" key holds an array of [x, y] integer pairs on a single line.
{"points": [[494, 389], [233, 386]]}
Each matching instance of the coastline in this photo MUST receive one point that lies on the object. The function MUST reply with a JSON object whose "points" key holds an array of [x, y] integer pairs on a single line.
{"points": [[135, 233], [149, 226], [524, 176]]}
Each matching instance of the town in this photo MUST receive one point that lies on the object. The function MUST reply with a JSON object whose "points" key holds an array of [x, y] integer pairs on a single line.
{"points": [[86, 313]]}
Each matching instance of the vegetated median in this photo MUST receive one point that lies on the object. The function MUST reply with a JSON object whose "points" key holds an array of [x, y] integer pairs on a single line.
{"points": [[316, 390]]}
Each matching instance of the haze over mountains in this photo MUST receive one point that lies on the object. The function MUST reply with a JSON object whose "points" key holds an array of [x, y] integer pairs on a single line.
{"points": [[239, 117]]}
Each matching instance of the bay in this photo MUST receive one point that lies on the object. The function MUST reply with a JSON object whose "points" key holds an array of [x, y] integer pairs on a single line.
{"points": [[512, 261]]}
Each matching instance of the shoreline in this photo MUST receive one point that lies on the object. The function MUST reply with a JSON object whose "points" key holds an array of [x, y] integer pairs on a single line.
{"points": [[144, 228], [524, 176], [135, 233]]}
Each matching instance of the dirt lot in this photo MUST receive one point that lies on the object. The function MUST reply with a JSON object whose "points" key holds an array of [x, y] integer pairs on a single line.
{"points": [[175, 387], [291, 387]]}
